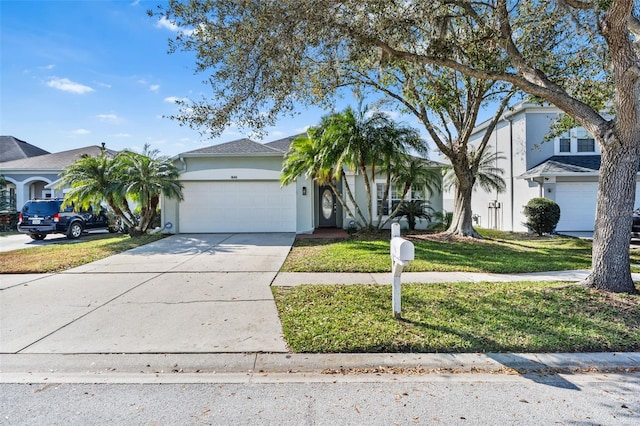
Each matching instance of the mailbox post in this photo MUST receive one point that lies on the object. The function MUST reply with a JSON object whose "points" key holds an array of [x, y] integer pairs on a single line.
{"points": [[402, 253]]}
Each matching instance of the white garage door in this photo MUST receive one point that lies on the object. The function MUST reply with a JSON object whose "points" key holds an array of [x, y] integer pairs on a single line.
{"points": [[577, 203], [251, 206]]}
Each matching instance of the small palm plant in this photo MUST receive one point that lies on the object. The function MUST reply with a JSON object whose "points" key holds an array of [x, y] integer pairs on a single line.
{"points": [[415, 209]]}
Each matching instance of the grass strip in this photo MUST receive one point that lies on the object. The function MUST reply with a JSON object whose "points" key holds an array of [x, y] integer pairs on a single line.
{"points": [[59, 257], [458, 317], [499, 252]]}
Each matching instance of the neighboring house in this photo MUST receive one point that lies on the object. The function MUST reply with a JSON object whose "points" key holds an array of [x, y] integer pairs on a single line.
{"points": [[563, 169], [37, 177], [235, 187], [14, 149]]}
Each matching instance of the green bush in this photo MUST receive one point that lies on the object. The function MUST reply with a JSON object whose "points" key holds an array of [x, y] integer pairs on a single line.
{"points": [[542, 215]]}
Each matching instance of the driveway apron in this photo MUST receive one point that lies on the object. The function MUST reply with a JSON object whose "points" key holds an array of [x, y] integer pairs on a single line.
{"points": [[194, 293]]}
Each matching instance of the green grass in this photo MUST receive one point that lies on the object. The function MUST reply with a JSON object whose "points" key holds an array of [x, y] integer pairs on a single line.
{"points": [[461, 317], [59, 257], [499, 252]]}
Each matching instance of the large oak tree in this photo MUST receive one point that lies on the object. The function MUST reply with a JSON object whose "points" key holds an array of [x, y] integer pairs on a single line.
{"points": [[265, 57]]}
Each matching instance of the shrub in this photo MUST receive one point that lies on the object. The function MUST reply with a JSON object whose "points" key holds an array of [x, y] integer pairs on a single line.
{"points": [[542, 215], [416, 209]]}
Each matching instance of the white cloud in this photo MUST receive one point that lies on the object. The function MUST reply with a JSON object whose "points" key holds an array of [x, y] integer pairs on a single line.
{"points": [[80, 132], [47, 67], [106, 85], [122, 135], [394, 115], [154, 87], [174, 99], [135, 3], [67, 85], [167, 24], [109, 118]]}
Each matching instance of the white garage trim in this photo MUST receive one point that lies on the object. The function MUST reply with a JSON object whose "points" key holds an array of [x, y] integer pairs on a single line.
{"points": [[237, 206], [577, 201], [231, 174]]}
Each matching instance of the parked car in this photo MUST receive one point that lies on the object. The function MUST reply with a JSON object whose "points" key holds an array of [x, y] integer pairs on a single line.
{"points": [[635, 227], [39, 218]]}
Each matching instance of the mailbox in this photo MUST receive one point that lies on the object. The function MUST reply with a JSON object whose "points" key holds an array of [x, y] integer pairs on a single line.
{"points": [[402, 250]]}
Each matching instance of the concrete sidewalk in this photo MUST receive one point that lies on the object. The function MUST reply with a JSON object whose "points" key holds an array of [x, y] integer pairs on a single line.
{"points": [[290, 279]]}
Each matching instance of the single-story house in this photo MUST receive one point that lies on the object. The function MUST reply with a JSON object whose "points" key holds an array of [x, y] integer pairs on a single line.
{"points": [[235, 187], [37, 176]]}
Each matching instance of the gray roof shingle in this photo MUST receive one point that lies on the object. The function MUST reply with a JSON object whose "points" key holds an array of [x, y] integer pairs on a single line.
{"points": [[57, 161], [284, 143], [237, 147], [15, 149], [563, 164]]}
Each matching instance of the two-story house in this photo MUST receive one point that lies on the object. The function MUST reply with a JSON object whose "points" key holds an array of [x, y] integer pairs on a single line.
{"points": [[563, 169]]}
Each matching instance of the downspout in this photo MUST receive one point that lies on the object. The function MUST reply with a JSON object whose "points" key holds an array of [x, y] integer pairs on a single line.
{"points": [[511, 171]]}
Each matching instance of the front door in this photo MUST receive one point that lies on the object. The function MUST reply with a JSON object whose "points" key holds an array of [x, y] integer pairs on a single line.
{"points": [[327, 207]]}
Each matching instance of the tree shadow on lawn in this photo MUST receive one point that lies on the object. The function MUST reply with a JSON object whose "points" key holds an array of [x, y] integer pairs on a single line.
{"points": [[505, 318], [525, 367], [495, 258]]}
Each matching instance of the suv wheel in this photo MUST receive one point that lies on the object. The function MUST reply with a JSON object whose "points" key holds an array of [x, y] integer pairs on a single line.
{"points": [[37, 237], [75, 230]]}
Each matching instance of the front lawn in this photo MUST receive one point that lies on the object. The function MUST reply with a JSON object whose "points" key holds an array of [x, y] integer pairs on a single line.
{"points": [[460, 317], [59, 257], [499, 252]]}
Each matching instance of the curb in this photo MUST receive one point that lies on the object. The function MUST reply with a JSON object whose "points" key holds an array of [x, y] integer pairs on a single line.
{"points": [[94, 368]]}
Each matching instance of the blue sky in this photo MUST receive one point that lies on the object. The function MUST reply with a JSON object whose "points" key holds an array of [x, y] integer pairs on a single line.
{"points": [[79, 73]]}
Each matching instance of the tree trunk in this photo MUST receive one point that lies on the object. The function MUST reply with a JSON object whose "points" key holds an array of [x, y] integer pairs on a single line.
{"points": [[367, 185], [344, 204], [620, 151], [462, 221], [616, 193], [383, 203], [347, 188]]}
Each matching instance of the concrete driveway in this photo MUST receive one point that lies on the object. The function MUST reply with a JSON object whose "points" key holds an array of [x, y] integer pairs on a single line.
{"points": [[205, 293], [23, 241]]}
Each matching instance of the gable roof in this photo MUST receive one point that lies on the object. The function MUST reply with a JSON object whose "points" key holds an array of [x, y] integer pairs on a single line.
{"points": [[57, 161], [15, 149], [560, 165], [284, 143], [234, 148]]}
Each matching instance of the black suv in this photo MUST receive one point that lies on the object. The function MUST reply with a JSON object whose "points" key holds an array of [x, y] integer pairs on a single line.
{"points": [[41, 217]]}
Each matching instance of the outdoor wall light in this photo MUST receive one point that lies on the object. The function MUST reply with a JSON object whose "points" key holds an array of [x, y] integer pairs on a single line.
{"points": [[304, 190]]}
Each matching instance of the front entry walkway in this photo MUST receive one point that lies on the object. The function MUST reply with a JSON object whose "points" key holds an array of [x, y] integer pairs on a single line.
{"points": [[204, 293]]}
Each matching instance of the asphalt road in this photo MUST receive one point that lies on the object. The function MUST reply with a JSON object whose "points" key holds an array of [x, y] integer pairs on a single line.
{"points": [[462, 399]]}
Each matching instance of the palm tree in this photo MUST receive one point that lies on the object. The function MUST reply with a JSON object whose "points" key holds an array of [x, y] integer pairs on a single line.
{"points": [[308, 157], [487, 175], [392, 145], [415, 209], [120, 178], [95, 179], [147, 176], [363, 140], [413, 172]]}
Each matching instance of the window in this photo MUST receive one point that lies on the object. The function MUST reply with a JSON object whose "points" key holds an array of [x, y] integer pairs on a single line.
{"points": [[565, 145], [379, 197], [394, 197], [586, 145]]}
